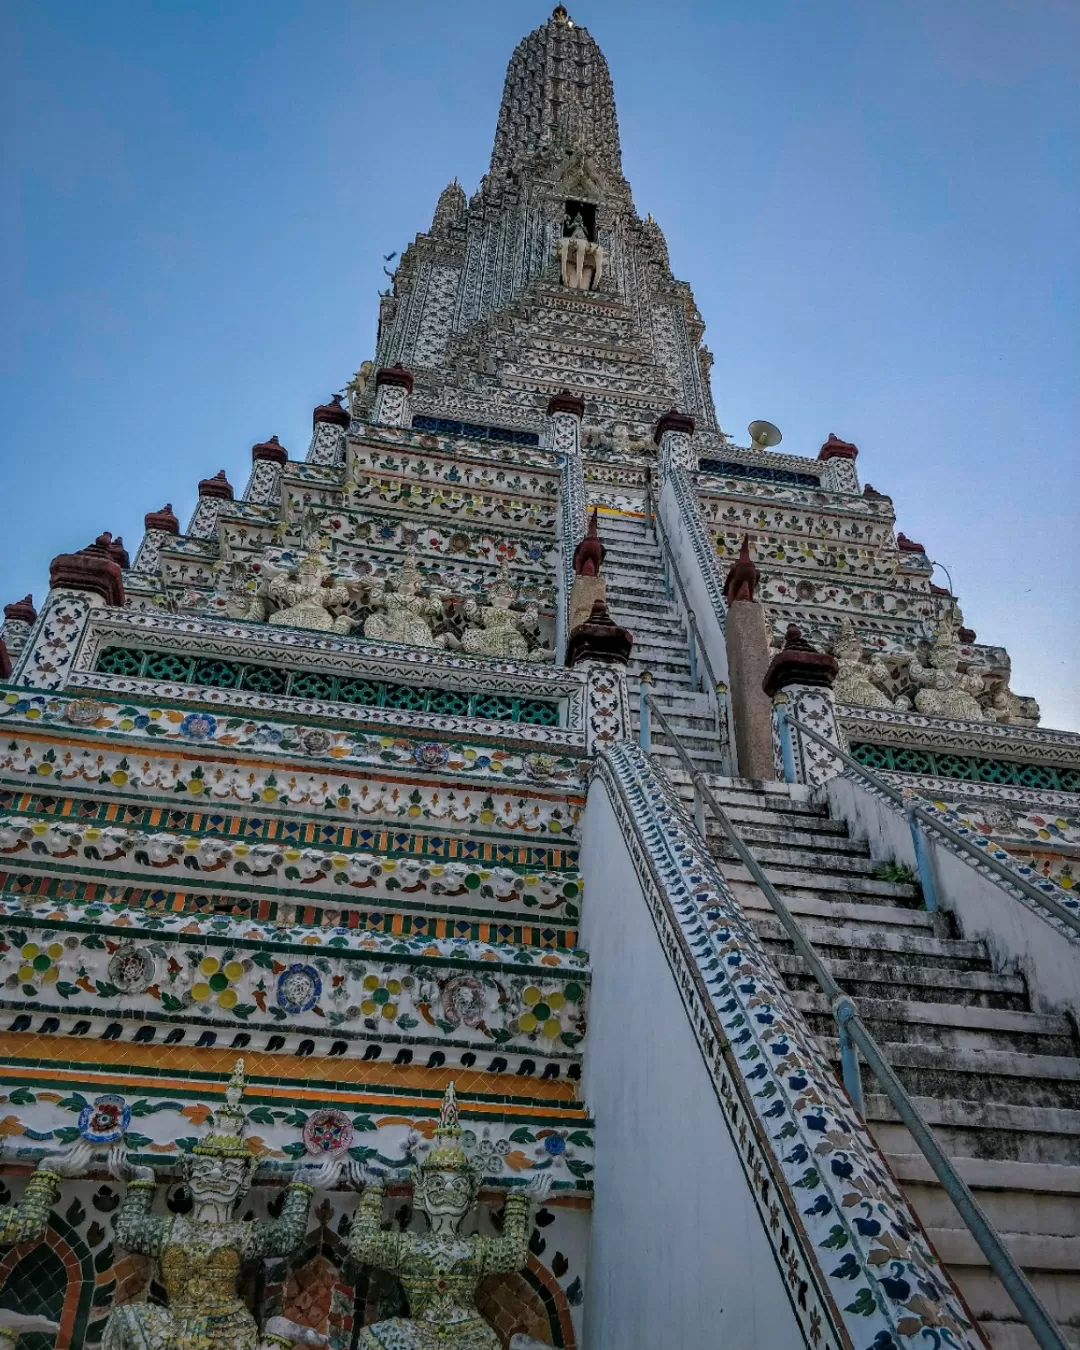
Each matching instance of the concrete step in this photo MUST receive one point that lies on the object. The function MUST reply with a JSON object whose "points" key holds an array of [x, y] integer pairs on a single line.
{"points": [[787, 879], [986, 1131], [991, 1076], [850, 864], [937, 984], [846, 941], [809, 840], [947, 1026], [870, 918]]}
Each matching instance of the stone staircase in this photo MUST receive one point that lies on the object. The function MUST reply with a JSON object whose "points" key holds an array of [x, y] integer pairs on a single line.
{"points": [[635, 592], [998, 1083]]}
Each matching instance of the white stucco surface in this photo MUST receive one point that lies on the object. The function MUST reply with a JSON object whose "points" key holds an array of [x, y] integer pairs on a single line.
{"points": [[1017, 939], [679, 1257]]}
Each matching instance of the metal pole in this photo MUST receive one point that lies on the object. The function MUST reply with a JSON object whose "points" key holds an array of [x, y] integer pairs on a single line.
{"points": [[667, 576], [923, 859], [691, 629], [644, 730], [843, 1011], [787, 750], [699, 810], [722, 727]]}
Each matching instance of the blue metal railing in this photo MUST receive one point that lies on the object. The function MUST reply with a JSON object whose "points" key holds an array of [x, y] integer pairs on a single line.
{"points": [[854, 1037]]}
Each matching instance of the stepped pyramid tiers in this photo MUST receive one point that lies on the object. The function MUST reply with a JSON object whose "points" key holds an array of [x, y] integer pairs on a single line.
{"points": [[337, 776]]}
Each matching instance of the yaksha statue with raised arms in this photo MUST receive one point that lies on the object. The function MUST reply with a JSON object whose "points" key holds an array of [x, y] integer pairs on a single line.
{"points": [[856, 682], [440, 1269], [403, 612], [945, 692], [28, 1220], [501, 632], [309, 597], [200, 1254]]}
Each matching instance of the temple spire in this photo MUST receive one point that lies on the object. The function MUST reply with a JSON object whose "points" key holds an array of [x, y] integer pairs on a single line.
{"points": [[558, 96]]}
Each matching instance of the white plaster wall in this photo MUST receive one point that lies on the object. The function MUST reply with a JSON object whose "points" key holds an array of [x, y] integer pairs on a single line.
{"points": [[712, 635], [1017, 938], [679, 1259]]}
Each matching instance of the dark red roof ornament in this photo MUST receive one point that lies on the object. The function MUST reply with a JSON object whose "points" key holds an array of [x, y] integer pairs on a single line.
{"points": [[673, 420], [599, 638], [906, 545], [565, 401], [118, 552], [394, 375], [964, 635], [218, 486], [589, 554], [93, 568], [5, 661], [873, 495], [742, 580], [22, 611], [799, 663], [835, 448], [333, 413], [163, 520], [271, 450]]}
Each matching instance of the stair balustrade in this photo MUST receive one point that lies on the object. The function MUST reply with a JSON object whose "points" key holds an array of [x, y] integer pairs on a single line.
{"points": [[854, 1036]]}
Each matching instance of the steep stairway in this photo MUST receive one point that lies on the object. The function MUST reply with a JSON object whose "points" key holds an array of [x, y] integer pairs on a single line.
{"points": [[998, 1083], [635, 591]]}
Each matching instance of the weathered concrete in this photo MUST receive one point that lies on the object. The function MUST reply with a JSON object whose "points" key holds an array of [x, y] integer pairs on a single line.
{"points": [[749, 654]]}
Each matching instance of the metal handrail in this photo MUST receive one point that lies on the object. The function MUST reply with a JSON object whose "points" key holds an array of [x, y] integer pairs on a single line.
{"points": [[853, 1032], [915, 809]]}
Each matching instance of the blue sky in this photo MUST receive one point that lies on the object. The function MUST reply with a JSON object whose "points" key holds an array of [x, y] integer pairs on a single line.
{"points": [[875, 202]]}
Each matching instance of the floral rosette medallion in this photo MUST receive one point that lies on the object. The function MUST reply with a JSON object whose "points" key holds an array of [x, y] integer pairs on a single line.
{"points": [[328, 1133], [104, 1120], [298, 989]]}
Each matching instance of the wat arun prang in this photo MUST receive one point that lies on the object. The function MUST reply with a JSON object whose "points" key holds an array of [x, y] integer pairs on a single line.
{"points": [[295, 1000]]}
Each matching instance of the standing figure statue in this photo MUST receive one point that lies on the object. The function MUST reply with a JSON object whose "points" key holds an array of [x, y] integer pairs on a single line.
{"points": [[440, 1269], [403, 612], [581, 260], [945, 692], [502, 630], [857, 683], [200, 1254], [308, 596]]}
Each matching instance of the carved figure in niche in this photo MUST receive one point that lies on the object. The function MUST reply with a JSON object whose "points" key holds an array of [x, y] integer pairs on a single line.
{"points": [[358, 384], [502, 629], [200, 1254], [310, 597], [402, 612], [859, 683], [28, 1220], [440, 1269], [945, 691], [581, 261]]}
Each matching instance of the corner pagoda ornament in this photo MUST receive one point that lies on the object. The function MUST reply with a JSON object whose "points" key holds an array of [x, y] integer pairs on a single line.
{"points": [[200, 1255], [945, 692], [501, 631], [859, 683], [403, 613], [440, 1269]]}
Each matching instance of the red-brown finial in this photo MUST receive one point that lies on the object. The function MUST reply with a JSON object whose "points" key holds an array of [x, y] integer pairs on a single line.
{"points": [[835, 448], [271, 450], [741, 581], [331, 412], [589, 554], [218, 486], [163, 520], [22, 611]]}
